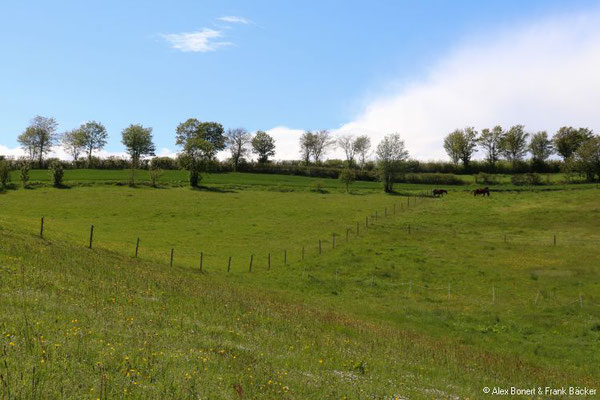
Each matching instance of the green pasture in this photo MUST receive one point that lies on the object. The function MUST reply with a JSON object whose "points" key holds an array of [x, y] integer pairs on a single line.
{"points": [[175, 178], [438, 299]]}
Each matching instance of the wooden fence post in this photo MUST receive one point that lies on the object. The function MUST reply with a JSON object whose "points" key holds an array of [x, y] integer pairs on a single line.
{"points": [[172, 257], [137, 247], [285, 257], [319, 246], [555, 240], [358, 229], [91, 235], [42, 228], [229, 264], [202, 261], [251, 259], [302, 252], [269, 262], [333, 240]]}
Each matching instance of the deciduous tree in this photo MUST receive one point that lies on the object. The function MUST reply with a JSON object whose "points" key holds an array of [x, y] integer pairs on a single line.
{"points": [[461, 144], [362, 147], [490, 142], [212, 132], [391, 153], [263, 145], [321, 143], [346, 143], [200, 142], [39, 137], [306, 145], [586, 159], [567, 139], [513, 145], [94, 136], [540, 147], [73, 143], [138, 142], [238, 141]]}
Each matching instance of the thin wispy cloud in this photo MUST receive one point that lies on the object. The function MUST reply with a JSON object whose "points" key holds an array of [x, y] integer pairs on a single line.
{"points": [[232, 19], [202, 41]]}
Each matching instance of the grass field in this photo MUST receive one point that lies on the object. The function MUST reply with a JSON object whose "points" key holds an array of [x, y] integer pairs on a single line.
{"points": [[171, 178], [475, 294]]}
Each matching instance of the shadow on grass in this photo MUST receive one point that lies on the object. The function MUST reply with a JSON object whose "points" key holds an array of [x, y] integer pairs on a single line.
{"points": [[62, 186], [357, 193], [201, 188]]}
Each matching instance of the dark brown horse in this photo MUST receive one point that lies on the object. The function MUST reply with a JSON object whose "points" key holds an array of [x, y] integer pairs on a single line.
{"points": [[439, 192], [483, 192]]}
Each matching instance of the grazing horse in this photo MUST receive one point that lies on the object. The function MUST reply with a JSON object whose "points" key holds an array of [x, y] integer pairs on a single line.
{"points": [[439, 192], [483, 192]]}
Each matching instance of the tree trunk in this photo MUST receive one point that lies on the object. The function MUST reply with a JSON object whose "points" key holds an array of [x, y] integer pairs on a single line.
{"points": [[41, 157]]}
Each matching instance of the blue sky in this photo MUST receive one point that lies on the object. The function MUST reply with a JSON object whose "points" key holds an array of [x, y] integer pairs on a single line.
{"points": [[291, 65]]}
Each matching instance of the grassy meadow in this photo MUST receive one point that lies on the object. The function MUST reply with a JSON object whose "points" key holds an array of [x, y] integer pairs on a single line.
{"points": [[438, 300]]}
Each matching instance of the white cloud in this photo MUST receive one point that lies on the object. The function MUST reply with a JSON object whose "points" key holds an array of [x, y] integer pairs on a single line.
{"points": [[59, 152], [286, 142], [235, 19], [164, 152], [11, 152], [202, 41], [543, 75]]}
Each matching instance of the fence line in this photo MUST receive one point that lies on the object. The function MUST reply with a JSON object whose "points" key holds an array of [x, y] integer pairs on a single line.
{"points": [[371, 222]]}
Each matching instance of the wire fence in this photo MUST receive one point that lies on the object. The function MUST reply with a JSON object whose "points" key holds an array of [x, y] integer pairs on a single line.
{"points": [[213, 262]]}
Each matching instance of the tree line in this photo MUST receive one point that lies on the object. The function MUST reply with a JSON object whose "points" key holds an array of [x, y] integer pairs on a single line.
{"points": [[578, 147], [200, 141]]}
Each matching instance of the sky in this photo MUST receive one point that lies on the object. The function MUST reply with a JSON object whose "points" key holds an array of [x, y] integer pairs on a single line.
{"points": [[417, 68]]}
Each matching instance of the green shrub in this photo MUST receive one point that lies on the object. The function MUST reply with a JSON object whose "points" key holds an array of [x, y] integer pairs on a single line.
{"points": [[163, 163], [483, 178], [195, 177], [529, 179], [25, 168], [317, 186], [534, 179], [347, 176], [57, 173], [155, 174], [4, 174], [430, 179]]}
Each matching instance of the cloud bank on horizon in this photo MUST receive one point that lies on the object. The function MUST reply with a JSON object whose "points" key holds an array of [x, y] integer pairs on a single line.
{"points": [[543, 75]]}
